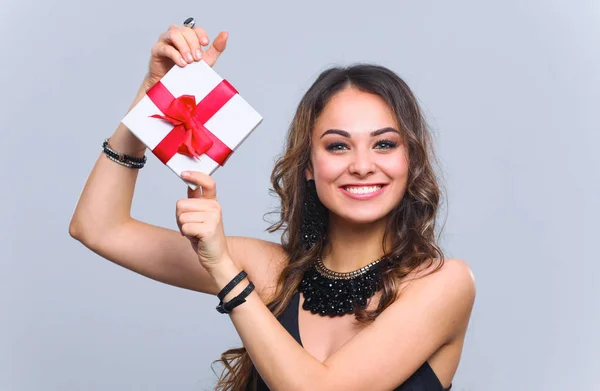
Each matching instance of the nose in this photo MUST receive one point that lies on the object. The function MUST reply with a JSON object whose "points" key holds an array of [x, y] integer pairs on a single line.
{"points": [[362, 164]]}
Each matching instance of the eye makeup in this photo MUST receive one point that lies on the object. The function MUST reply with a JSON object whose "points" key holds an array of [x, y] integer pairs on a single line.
{"points": [[380, 144], [389, 144]]}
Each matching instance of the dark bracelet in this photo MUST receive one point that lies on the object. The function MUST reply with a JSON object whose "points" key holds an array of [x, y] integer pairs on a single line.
{"points": [[236, 280], [121, 158], [226, 308]]}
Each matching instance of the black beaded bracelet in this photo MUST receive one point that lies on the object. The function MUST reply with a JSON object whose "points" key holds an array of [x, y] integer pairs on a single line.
{"points": [[121, 158], [226, 308]]}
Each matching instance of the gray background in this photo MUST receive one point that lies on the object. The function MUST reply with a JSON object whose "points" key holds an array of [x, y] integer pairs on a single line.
{"points": [[511, 90]]}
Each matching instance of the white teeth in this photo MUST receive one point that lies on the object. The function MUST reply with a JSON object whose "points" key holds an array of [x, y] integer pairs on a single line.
{"points": [[362, 190]]}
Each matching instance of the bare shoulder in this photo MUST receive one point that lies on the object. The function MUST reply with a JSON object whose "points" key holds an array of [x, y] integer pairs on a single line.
{"points": [[449, 285], [458, 273], [449, 271], [261, 259]]}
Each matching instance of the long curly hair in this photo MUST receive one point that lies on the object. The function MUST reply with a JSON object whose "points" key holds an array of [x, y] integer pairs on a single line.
{"points": [[411, 224]]}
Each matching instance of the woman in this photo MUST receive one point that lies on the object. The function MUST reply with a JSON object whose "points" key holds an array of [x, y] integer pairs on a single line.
{"points": [[358, 296]]}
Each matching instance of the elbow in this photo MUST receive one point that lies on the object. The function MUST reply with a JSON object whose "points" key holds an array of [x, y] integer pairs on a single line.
{"points": [[80, 231], [75, 229]]}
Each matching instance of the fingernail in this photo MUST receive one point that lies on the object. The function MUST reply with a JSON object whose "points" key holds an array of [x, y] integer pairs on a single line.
{"points": [[198, 54], [189, 57], [185, 174], [182, 62], [204, 41]]}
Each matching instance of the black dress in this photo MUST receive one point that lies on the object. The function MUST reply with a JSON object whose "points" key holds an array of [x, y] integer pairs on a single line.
{"points": [[424, 379]]}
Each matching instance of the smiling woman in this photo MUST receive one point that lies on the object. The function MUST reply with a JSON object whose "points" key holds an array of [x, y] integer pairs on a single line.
{"points": [[367, 161], [358, 295]]}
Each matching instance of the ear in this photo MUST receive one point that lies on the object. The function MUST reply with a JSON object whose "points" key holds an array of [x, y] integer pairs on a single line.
{"points": [[308, 174]]}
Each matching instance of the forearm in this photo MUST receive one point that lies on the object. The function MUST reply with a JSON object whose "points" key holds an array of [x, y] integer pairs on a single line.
{"points": [[106, 197], [281, 361]]}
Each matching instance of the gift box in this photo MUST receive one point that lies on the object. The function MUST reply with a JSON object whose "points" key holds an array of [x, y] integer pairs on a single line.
{"points": [[192, 119]]}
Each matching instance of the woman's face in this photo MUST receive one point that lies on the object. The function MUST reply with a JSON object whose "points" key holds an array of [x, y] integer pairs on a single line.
{"points": [[359, 160]]}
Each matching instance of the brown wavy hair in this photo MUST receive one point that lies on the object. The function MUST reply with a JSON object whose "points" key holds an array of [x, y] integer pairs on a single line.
{"points": [[411, 224]]}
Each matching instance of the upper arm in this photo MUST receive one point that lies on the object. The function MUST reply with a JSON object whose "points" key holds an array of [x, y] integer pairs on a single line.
{"points": [[165, 255], [430, 312]]}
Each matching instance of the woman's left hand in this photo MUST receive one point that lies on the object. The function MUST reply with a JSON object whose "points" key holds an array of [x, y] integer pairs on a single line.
{"points": [[199, 219]]}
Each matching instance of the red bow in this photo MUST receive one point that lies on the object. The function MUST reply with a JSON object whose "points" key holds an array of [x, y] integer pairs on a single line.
{"points": [[189, 136], [180, 113]]}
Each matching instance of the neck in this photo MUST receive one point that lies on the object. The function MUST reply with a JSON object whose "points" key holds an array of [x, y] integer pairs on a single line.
{"points": [[351, 246]]}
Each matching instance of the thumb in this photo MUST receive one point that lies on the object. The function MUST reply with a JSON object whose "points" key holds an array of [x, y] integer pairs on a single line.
{"points": [[206, 187], [194, 193], [216, 49]]}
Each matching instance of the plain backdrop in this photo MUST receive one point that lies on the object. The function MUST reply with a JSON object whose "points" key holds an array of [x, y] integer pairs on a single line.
{"points": [[511, 90]]}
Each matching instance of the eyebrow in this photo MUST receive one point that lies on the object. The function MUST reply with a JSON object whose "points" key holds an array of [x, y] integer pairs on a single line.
{"points": [[373, 133]]}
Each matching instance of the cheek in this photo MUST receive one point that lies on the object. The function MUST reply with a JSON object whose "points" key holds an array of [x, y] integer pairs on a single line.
{"points": [[327, 167], [395, 168]]}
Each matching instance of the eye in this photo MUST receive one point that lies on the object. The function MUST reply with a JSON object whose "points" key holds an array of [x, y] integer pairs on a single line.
{"points": [[386, 144], [336, 146]]}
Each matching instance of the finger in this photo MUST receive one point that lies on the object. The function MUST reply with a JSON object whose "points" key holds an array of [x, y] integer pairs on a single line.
{"points": [[198, 230], [192, 230], [175, 37], [193, 42], [190, 205], [208, 185], [198, 217], [196, 210], [162, 49], [192, 217], [202, 36], [216, 49]]}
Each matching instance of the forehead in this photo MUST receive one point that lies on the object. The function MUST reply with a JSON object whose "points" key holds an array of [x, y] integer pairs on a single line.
{"points": [[355, 111]]}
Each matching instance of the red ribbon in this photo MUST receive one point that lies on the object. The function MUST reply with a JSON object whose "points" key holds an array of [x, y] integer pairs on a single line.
{"points": [[189, 135]]}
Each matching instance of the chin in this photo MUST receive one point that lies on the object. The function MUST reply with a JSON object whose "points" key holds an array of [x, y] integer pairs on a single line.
{"points": [[365, 217]]}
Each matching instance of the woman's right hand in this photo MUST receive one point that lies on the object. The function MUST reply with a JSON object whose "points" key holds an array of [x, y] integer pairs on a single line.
{"points": [[182, 45]]}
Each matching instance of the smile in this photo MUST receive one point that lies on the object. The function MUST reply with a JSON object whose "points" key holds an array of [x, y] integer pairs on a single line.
{"points": [[362, 192]]}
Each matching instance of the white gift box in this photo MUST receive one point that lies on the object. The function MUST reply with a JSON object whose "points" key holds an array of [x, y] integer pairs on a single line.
{"points": [[222, 115]]}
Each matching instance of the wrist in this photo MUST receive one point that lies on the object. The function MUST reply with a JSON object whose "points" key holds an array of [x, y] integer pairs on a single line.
{"points": [[223, 273], [123, 141], [147, 83]]}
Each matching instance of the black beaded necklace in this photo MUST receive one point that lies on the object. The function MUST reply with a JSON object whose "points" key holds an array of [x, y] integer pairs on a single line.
{"points": [[335, 294]]}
